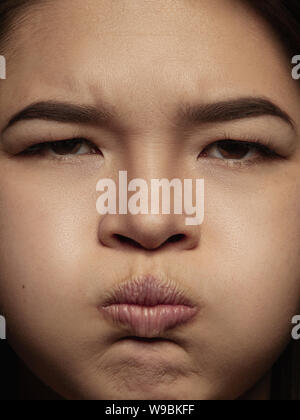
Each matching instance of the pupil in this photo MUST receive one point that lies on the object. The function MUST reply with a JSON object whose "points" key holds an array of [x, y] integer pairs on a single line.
{"points": [[233, 149]]}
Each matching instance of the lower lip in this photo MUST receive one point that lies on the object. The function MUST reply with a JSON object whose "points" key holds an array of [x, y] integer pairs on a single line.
{"points": [[149, 321]]}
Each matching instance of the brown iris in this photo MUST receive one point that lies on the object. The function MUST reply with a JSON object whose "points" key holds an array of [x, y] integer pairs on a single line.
{"points": [[233, 149], [66, 147]]}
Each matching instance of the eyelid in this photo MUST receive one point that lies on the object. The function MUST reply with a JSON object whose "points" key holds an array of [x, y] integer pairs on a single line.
{"points": [[267, 148], [265, 153], [42, 147], [249, 140], [49, 142], [34, 132], [278, 137], [253, 141]]}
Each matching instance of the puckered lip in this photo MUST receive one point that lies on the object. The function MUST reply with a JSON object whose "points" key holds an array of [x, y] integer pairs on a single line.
{"points": [[147, 290], [148, 306]]}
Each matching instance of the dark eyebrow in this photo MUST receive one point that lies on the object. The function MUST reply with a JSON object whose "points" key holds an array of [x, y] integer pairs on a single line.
{"points": [[231, 110], [63, 112], [194, 114]]}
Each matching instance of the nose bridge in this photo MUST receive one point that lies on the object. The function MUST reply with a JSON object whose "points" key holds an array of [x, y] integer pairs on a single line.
{"points": [[151, 156]]}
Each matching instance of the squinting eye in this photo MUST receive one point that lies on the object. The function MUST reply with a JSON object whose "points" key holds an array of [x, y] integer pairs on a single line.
{"points": [[236, 150], [78, 146]]}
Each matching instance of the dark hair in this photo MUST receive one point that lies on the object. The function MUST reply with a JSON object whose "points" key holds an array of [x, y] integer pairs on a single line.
{"points": [[284, 18], [12, 14]]}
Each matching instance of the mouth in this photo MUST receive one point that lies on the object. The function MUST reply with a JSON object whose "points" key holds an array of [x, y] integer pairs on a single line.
{"points": [[143, 340], [148, 307]]}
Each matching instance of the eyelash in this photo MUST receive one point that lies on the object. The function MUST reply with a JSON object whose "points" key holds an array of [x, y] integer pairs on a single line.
{"points": [[38, 149], [265, 151]]}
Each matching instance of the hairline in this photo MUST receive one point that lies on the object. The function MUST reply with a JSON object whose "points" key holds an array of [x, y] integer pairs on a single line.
{"points": [[15, 18]]}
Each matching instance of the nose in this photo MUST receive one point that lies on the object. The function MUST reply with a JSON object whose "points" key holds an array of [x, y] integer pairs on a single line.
{"points": [[147, 231]]}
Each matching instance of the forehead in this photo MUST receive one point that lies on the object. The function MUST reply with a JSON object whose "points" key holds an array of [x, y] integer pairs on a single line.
{"points": [[137, 49]]}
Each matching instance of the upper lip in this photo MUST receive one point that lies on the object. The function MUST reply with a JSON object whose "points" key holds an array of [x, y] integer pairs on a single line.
{"points": [[147, 290]]}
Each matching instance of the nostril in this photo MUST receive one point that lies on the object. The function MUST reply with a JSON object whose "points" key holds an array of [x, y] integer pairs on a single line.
{"points": [[176, 238], [127, 241]]}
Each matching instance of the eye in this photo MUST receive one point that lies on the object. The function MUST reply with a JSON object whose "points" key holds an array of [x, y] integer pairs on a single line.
{"points": [[76, 146], [234, 150]]}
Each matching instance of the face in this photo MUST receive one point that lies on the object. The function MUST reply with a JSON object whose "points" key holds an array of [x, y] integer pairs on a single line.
{"points": [[143, 61]]}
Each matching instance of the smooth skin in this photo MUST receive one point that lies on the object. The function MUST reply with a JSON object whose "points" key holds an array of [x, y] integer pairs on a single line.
{"points": [[143, 59]]}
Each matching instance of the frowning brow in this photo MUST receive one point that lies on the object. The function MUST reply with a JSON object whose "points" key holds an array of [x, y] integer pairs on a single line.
{"points": [[193, 114], [231, 110], [64, 112]]}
